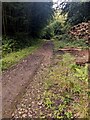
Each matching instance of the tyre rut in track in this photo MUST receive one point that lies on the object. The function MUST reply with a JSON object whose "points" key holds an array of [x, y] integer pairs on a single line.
{"points": [[16, 80]]}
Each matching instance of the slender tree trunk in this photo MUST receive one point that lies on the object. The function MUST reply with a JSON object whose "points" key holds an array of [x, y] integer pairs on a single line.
{"points": [[3, 22]]}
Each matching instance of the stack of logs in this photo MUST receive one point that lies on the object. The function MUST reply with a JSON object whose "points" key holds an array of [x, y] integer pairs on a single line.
{"points": [[81, 31]]}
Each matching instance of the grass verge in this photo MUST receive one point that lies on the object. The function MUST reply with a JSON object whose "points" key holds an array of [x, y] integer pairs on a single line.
{"points": [[66, 94], [14, 57]]}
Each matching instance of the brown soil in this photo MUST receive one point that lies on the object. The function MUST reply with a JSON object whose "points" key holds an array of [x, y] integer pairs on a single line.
{"points": [[32, 102], [16, 80], [23, 84]]}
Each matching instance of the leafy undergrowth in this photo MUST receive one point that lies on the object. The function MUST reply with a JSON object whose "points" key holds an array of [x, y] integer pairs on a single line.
{"points": [[14, 57], [65, 40], [66, 89]]}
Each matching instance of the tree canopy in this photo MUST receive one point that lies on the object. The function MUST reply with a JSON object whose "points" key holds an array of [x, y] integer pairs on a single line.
{"points": [[77, 12], [25, 17]]}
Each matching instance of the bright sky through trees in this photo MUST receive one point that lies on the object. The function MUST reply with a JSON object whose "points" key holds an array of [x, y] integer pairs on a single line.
{"points": [[57, 3]]}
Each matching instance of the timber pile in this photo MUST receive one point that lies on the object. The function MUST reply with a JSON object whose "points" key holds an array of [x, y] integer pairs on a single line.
{"points": [[81, 31], [81, 56]]}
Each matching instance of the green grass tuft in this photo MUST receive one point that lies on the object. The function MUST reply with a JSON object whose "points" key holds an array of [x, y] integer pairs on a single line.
{"points": [[63, 41], [14, 57]]}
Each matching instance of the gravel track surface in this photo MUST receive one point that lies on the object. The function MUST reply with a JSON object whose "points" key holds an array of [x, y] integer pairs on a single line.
{"points": [[23, 84]]}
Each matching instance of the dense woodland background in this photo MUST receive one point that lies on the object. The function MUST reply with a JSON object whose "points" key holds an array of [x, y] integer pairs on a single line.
{"points": [[24, 20], [26, 24]]}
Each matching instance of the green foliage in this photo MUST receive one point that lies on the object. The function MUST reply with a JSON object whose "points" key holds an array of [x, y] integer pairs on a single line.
{"points": [[65, 40], [81, 72], [48, 102], [19, 42], [12, 58], [48, 32], [77, 12], [54, 28], [59, 17], [66, 27], [57, 27], [8, 45], [68, 115]]}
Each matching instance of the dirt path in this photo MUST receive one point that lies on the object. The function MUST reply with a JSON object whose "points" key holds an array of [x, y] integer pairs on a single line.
{"points": [[22, 83]]}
